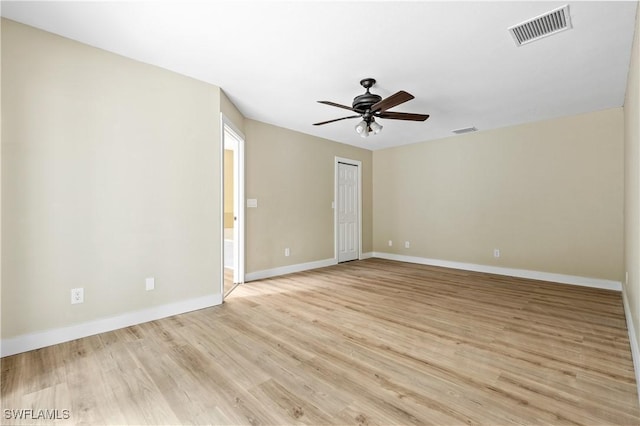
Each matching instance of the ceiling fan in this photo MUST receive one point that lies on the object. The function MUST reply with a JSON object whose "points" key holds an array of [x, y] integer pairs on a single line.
{"points": [[370, 106]]}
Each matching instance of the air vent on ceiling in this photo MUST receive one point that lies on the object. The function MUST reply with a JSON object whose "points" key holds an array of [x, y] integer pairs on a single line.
{"points": [[547, 24], [464, 130]]}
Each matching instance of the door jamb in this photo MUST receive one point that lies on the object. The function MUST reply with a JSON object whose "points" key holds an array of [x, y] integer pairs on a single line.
{"points": [[225, 122], [335, 204]]}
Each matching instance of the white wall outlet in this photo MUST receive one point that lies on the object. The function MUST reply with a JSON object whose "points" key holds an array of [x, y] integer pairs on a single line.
{"points": [[252, 203], [407, 244], [287, 252], [77, 295], [150, 283], [390, 243], [496, 252]]}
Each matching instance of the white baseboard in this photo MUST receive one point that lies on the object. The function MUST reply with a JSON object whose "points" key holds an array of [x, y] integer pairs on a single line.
{"points": [[367, 255], [633, 342], [41, 339], [498, 270], [289, 269]]}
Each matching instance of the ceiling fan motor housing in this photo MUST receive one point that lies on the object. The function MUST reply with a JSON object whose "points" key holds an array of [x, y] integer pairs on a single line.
{"points": [[364, 102]]}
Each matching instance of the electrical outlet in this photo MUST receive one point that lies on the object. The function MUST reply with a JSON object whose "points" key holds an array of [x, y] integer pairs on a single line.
{"points": [[77, 295], [390, 243], [150, 283], [407, 244], [287, 252], [496, 252]]}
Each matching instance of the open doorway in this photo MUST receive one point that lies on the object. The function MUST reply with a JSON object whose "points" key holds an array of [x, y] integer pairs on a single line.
{"points": [[232, 208]]}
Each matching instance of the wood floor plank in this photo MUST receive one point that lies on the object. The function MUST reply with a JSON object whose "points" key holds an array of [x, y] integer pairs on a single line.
{"points": [[372, 342]]}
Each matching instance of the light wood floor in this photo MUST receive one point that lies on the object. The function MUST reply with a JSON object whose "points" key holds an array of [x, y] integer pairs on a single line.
{"points": [[368, 342]]}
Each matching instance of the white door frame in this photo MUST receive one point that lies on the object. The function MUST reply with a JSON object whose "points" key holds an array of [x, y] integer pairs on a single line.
{"points": [[239, 225], [335, 205]]}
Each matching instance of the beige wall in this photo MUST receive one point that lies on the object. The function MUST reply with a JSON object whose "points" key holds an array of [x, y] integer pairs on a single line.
{"points": [[292, 176], [110, 174], [632, 183], [549, 195], [231, 112]]}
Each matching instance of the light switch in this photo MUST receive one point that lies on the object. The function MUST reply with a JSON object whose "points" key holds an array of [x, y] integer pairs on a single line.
{"points": [[252, 203]]}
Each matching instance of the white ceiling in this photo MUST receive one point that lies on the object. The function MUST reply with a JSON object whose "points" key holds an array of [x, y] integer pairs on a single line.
{"points": [[276, 59]]}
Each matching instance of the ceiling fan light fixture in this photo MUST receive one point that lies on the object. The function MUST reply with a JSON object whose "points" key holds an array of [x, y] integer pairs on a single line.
{"points": [[361, 127], [375, 127]]}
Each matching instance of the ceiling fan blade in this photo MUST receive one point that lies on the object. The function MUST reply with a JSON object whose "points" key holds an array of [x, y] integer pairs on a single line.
{"points": [[403, 116], [391, 101], [337, 105], [337, 119]]}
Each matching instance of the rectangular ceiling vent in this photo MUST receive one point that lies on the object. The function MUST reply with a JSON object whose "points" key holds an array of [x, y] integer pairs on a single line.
{"points": [[547, 24], [465, 130]]}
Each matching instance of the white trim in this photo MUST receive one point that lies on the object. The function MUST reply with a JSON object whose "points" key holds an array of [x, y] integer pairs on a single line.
{"points": [[358, 164], [239, 229], [223, 120], [242, 217], [31, 341], [367, 255], [499, 270], [633, 342], [231, 125], [289, 269]]}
